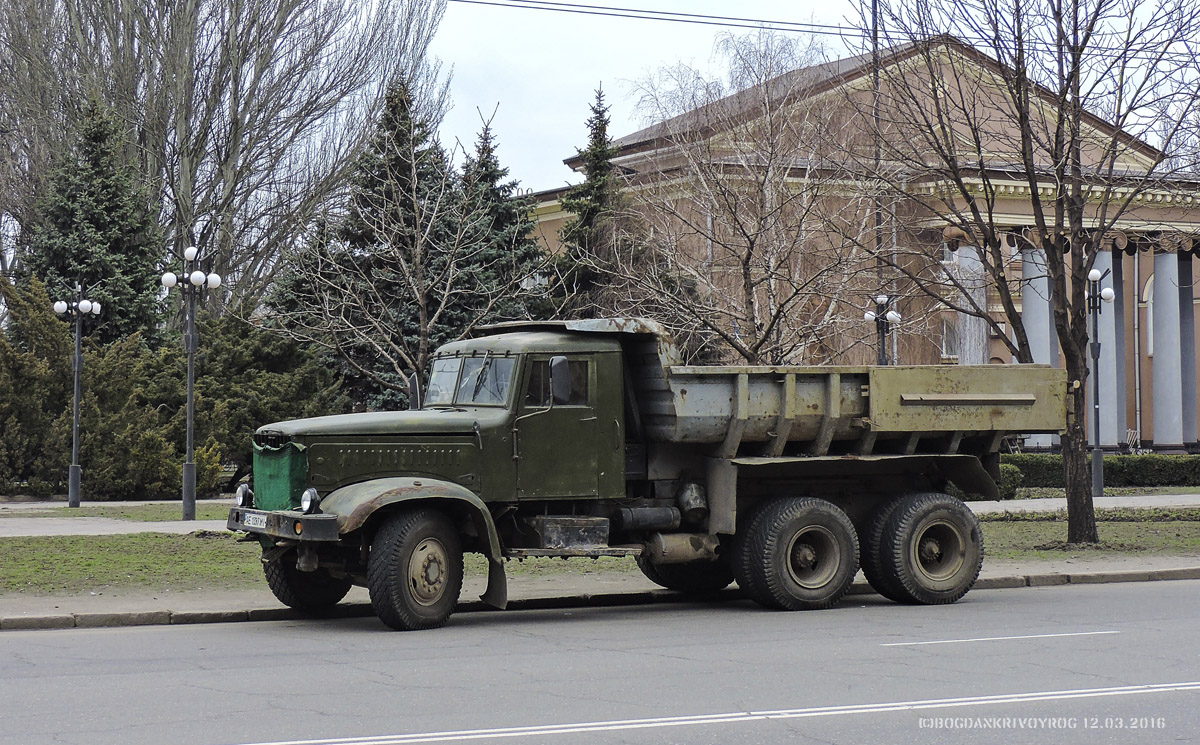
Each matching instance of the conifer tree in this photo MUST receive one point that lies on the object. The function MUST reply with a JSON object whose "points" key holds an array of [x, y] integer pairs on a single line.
{"points": [[587, 237], [506, 230], [96, 228], [35, 390], [415, 262]]}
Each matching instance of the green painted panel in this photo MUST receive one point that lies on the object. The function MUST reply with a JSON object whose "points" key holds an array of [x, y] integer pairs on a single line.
{"points": [[953, 398], [279, 475]]}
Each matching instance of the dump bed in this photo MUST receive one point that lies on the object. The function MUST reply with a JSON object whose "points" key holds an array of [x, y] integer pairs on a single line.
{"points": [[846, 409], [821, 405]]}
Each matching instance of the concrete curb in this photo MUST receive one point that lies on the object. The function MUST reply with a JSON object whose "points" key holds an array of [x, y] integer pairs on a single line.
{"points": [[362, 610]]}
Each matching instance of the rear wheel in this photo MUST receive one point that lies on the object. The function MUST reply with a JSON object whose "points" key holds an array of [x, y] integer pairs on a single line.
{"points": [[872, 552], [798, 554], [304, 591], [692, 578], [932, 549], [415, 570]]}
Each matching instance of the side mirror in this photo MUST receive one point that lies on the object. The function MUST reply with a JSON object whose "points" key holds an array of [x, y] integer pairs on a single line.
{"points": [[414, 392], [560, 381]]}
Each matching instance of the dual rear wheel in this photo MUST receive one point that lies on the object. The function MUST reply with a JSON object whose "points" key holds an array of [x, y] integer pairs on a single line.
{"points": [[797, 554], [924, 548], [803, 554]]}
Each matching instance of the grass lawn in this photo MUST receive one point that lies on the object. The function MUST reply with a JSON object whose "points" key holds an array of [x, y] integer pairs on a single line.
{"points": [[1046, 539], [159, 562], [45, 565], [205, 510]]}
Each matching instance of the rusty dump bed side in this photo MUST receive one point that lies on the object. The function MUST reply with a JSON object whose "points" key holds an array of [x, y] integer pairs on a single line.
{"points": [[821, 405]]}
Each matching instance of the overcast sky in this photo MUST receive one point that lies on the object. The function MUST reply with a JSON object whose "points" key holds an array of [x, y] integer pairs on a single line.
{"points": [[538, 69]]}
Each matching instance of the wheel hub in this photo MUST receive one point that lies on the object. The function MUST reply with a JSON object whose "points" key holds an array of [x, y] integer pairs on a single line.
{"points": [[931, 550], [813, 559], [427, 571], [940, 551], [804, 556]]}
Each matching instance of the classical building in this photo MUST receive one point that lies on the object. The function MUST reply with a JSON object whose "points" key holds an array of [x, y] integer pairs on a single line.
{"points": [[1149, 351]]}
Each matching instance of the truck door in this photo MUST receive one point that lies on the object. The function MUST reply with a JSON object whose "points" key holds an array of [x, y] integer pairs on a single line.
{"points": [[556, 446]]}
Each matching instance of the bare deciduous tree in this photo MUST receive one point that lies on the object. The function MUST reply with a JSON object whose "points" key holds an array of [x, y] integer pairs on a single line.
{"points": [[245, 115], [1074, 108], [730, 192]]}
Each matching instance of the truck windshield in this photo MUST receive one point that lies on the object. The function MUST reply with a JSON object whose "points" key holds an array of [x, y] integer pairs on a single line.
{"points": [[443, 379], [470, 381]]}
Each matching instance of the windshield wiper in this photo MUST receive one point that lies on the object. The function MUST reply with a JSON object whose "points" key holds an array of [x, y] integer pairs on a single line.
{"points": [[483, 370]]}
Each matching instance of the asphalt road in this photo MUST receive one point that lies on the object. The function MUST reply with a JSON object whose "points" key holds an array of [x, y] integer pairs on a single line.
{"points": [[1089, 664]]}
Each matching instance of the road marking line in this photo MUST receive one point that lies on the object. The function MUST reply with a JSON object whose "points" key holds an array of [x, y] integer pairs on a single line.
{"points": [[743, 717], [998, 638]]}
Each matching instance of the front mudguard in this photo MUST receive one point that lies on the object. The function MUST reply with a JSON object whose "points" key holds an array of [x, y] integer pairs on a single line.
{"points": [[356, 504]]}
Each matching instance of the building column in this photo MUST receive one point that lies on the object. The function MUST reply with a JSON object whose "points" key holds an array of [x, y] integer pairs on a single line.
{"points": [[1112, 358], [1167, 376], [972, 330], [1119, 348], [1038, 319], [1187, 346]]}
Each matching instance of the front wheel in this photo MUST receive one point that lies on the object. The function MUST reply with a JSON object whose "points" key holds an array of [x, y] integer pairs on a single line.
{"points": [[797, 554], [932, 549], [304, 591], [415, 570]]}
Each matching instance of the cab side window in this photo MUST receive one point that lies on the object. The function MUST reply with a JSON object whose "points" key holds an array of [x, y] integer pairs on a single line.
{"points": [[537, 394]]}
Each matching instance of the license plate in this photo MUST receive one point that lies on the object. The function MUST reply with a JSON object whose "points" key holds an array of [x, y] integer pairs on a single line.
{"points": [[254, 521]]}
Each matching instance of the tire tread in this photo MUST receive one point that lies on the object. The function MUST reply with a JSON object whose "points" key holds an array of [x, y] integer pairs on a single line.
{"points": [[895, 549], [387, 570]]}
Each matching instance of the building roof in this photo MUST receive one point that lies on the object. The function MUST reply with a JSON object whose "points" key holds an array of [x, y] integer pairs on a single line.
{"points": [[816, 79]]}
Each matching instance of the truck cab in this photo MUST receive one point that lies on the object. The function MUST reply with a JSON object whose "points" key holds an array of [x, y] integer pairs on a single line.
{"points": [[524, 421]]}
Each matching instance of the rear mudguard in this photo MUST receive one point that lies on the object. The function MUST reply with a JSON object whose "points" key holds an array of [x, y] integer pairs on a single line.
{"points": [[355, 504]]}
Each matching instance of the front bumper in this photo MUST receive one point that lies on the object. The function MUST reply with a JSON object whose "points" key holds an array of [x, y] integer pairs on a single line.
{"points": [[290, 525]]}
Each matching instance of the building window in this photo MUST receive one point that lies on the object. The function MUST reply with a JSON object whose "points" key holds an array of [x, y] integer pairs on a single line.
{"points": [[950, 345]]}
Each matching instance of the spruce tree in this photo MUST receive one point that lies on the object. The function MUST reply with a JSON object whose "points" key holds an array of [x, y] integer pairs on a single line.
{"points": [[587, 237], [96, 228], [401, 272], [505, 223]]}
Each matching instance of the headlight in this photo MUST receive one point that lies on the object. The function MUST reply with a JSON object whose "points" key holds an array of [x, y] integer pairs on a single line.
{"points": [[310, 503], [243, 497]]}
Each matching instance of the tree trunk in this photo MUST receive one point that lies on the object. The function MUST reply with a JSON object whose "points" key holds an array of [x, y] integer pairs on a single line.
{"points": [[1081, 513]]}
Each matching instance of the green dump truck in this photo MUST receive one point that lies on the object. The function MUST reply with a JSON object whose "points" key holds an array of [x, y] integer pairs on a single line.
{"points": [[589, 438]]}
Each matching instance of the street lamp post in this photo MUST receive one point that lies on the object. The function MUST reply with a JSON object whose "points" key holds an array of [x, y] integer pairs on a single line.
{"points": [[884, 316], [194, 282], [1095, 299], [77, 309]]}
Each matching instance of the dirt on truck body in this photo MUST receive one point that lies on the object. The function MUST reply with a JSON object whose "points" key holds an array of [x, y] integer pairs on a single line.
{"points": [[589, 438]]}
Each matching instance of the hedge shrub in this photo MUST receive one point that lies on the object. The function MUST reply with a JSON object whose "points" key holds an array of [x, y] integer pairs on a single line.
{"points": [[1046, 469]]}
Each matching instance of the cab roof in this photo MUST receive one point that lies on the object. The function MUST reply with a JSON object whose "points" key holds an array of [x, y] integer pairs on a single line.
{"points": [[533, 341]]}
